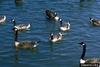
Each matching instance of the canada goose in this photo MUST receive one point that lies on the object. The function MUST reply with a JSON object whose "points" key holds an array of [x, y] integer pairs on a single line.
{"points": [[52, 15], [2, 19], [20, 27], [93, 62], [25, 44], [64, 26], [94, 22], [55, 37]]}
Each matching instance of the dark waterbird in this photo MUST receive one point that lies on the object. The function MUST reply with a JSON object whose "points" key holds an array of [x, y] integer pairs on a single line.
{"points": [[27, 44], [90, 62], [52, 15], [2, 19]]}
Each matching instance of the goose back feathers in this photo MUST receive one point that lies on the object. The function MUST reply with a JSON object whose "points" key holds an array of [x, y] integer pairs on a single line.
{"points": [[52, 15]]}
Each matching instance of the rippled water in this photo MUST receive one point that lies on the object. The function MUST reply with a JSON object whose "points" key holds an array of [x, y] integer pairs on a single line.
{"points": [[65, 53]]}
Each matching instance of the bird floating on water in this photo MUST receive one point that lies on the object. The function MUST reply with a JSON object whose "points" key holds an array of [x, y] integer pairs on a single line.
{"points": [[2, 19], [55, 37], [92, 62], [27, 44], [94, 22], [52, 15], [21, 27], [64, 26]]}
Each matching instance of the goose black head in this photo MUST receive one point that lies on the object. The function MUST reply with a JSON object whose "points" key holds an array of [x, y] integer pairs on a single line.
{"points": [[82, 43], [61, 21], [51, 36], [46, 11], [13, 20], [91, 19]]}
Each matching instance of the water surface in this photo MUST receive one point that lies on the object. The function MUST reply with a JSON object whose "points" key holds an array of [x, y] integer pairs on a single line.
{"points": [[65, 53]]}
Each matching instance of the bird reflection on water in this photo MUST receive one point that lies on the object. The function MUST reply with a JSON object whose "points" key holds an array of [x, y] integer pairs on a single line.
{"points": [[17, 53]]}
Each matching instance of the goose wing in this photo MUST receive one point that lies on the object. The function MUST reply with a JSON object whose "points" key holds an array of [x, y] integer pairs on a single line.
{"points": [[58, 36], [50, 14], [22, 26], [28, 44], [96, 21], [93, 61]]}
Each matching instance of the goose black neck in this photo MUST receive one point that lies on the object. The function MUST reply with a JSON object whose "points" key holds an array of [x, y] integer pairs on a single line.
{"points": [[61, 23], [14, 22], [16, 35], [84, 50], [51, 36]]}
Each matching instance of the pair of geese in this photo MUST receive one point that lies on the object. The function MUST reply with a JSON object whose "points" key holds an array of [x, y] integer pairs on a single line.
{"points": [[27, 44], [89, 62]]}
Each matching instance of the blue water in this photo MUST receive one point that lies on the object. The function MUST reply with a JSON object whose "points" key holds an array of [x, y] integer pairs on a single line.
{"points": [[65, 53]]}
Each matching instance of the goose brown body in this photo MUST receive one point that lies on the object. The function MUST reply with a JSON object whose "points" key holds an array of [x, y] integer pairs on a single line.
{"points": [[52, 15], [25, 44]]}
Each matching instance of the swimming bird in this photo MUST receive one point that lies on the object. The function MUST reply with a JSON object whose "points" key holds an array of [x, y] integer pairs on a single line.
{"points": [[92, 62], [2, 19], [64, 26], [52, 15], [55, 37], [27, 44], [94, 22], [21, 27]]}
